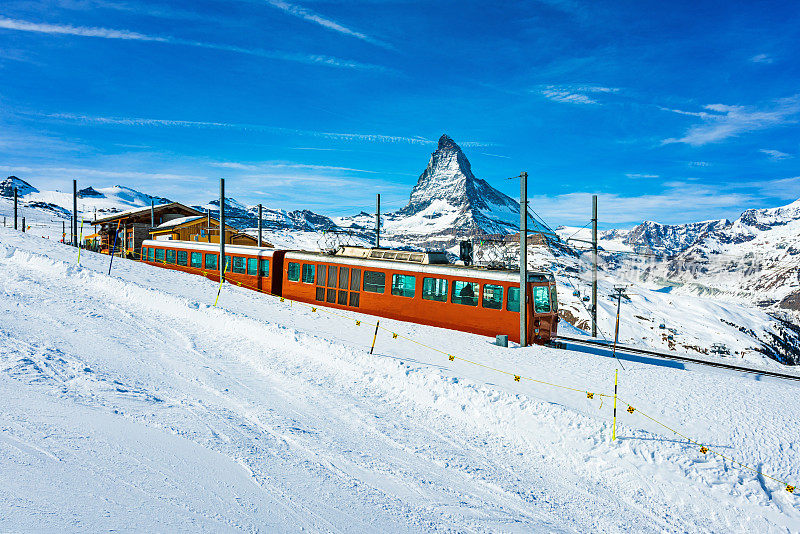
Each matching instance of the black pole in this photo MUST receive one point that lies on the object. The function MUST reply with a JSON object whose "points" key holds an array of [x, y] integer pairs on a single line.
{"points": [[222, 229], [75, 213], [113, 251], [23, 225], [15, 208]]}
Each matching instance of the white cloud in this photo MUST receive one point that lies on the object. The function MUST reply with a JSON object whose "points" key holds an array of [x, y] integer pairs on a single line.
{"points": [[762, 58], [722, 121], [307, 14], [137, 121], [104, 33], [640, 175], [775, 155], [572, 94], [276, 165]]}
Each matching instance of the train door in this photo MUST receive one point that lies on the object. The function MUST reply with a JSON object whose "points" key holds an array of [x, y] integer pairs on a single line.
{"points": [[540, 307]]}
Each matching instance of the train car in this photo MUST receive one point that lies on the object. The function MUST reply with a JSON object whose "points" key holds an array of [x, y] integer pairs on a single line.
{"points": [[253, 267], [420, 287], [423, 288]]}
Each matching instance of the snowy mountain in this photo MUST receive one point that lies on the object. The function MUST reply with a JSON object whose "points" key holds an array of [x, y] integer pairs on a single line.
{"points": [[90, 200], [666, 239], [246, 217], [447, 203]]}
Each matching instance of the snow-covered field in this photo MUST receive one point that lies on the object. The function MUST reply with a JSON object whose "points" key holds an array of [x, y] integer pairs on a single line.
{"points": [[129, 402]]}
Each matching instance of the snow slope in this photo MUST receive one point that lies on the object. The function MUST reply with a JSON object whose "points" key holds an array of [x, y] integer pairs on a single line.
{"points": [[129, 402]]}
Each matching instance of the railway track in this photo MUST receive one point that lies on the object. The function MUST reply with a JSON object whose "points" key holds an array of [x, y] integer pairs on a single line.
{"points": [[747, 368]]}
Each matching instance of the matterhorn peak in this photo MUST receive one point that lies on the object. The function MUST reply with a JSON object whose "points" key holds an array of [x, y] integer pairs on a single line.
{"points": [[448, 191]]}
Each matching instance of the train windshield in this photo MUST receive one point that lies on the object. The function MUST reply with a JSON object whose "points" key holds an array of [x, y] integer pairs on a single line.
{"points": [[541, 299], [554, 297]]}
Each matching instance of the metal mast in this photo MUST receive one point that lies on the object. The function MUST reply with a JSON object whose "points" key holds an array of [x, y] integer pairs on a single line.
{"points": [[594, 265], [523, 259], [222, 229]]}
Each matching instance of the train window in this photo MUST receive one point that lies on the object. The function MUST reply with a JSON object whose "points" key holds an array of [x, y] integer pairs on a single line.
{"points": [[465, 293], [150, 252], [238, 264], [211, 261], [355, 281], [342, 298], [252, 266], [170, 256], [403, 285], [344, 276], [331, 297], [321, 273], [183, 258], [144, 253], [320, 294], [159, 254], [293, 271], [354, 299], [554, 298], [263, 267], [492, 297], [374, 281], [434, 289], [541, 299], [196, 259], [308, 273], [512, 304], [333, 271]]}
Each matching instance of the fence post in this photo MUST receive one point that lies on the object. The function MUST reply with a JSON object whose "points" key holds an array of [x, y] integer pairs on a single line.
{"points": [[374, 337]]}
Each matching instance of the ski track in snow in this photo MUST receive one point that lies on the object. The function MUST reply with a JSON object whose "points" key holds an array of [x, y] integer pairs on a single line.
{"points": [[128, 402]]}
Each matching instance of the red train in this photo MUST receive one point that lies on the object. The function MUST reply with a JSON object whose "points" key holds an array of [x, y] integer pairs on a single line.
{"points": [[420, 287]]}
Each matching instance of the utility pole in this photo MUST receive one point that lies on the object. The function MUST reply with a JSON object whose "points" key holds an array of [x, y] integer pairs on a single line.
{"points": [[208, 225], [64, 229], [378, 221], [222, 230], [152, 213], [23, 225], [523, 259], [594, 265], [620, 292], [260, 210], [15, 208], [74, 213]]}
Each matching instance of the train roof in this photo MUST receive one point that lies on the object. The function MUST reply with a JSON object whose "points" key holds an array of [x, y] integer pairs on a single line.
{"points": [[210, 247], [357, 256]]}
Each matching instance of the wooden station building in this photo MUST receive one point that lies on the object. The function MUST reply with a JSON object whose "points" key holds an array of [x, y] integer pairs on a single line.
{"points": [[162, 222]]}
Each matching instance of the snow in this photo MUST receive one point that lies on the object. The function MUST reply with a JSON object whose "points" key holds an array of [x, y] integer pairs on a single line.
{"points": [[129, 402]]}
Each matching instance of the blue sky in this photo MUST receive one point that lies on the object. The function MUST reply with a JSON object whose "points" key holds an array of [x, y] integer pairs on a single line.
{"points": [[670, 111]]}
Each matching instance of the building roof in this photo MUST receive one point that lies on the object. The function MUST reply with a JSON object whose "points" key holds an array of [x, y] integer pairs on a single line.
{"points": [[145, 210], [179, 221]]}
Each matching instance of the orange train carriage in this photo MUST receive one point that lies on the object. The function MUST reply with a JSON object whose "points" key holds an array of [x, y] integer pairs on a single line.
{"points": [[408, 286]]}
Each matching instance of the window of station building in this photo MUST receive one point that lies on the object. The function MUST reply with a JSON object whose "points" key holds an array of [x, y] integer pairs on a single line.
{"points": [[354, 298], [320, 293], [465, 293], [196, 259], [512, 304], [159, 254], [333, 271], [150, 252], [374, 281], [308, 273], [293, 270], [211, 261], [403, 285], [322, 271], [492, 297], [355, 281], [170, 256], [238, 264], [183, 258], [252, 266], [331, 297], [541, 299], [344, 277], [342, 298], [434, 289], [263, 267]]}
